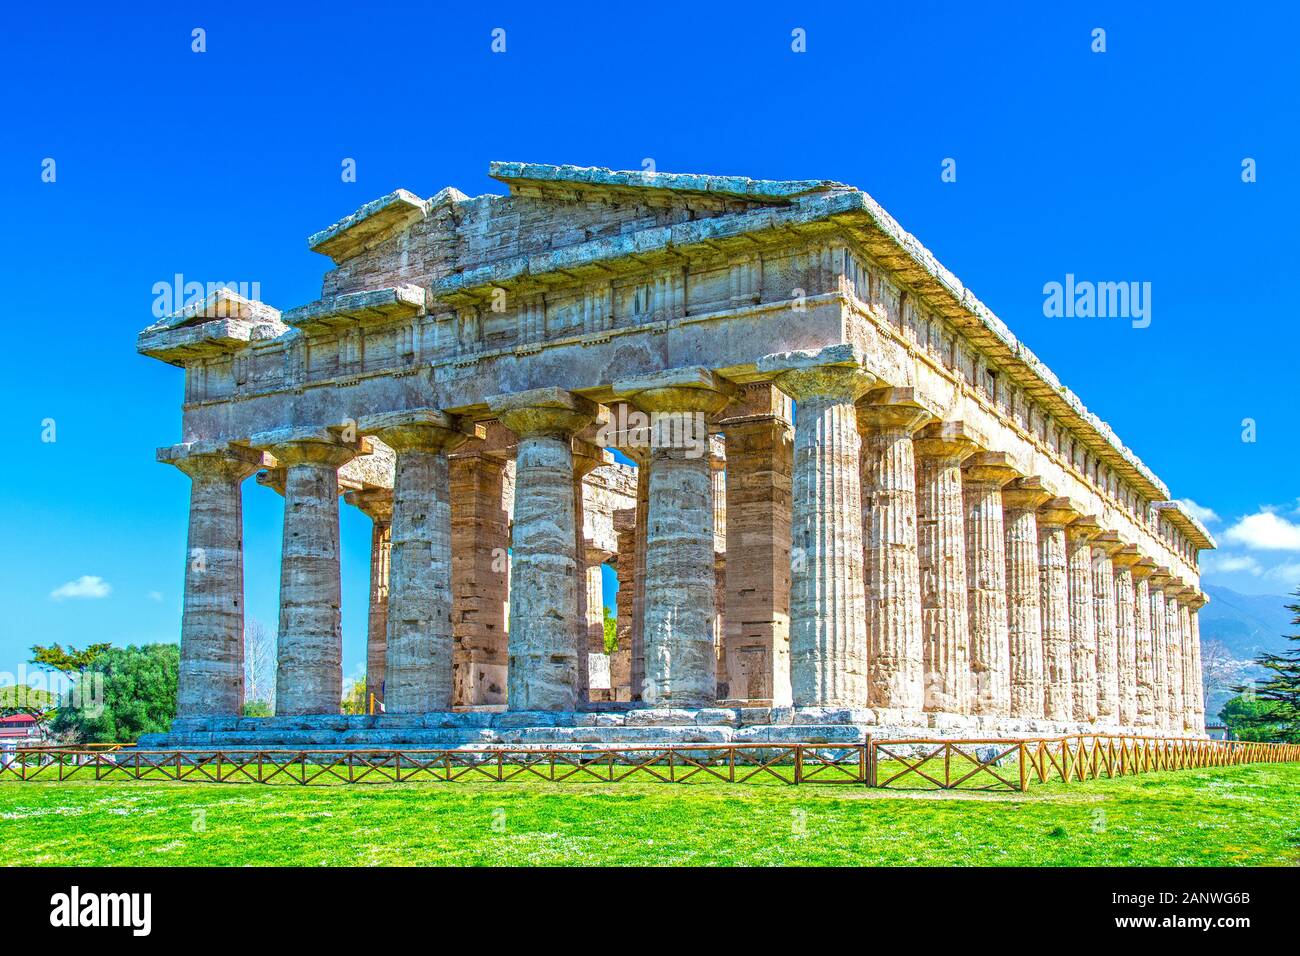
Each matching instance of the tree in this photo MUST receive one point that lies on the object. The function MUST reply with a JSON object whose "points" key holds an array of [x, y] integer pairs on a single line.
{"points": [[71, 662], [354, 697], [1219, 669], [259, 670], [38, 704], [611, 631], [123, 693], [1248, 718], [1279, 694]]}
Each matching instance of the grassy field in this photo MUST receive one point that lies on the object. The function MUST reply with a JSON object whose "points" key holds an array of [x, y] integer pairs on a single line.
{"points": [[1221, 816]]}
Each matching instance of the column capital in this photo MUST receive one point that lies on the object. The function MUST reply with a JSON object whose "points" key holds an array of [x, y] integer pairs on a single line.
{"points": [[311, 445], [1024, 494], [989, 468], [587, 457], [1144, 568], [420, 429], [375, 503], [1108, 542], [1126, 557], [1197, 600], [833, 372], [1083, 528], [1057, 512], [892, 409], [952, 440], [213, 458], [757, 402], [692, 388], [549, 412], [1159, 578]]}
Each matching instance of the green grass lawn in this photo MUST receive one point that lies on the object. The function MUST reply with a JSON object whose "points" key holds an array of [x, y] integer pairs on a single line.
{"points": [[1218, 816]]}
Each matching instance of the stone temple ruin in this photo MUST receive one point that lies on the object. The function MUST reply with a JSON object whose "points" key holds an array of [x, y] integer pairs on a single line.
{"points": [[855, 501]]}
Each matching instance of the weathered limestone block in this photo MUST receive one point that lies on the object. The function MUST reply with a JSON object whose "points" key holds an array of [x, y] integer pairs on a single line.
{"points": [[309, 671], [377, 504], [941, 563], [1144, 645], [983, 477], [418, 670], [887, 419], [1020, 503], [760, 464], [543, 667], [1155, 616], [828, 641], [480, 536], [211, 678], [1054, 600], [1126, 634], [1104, 546], [680, 660], [1083, 626]]}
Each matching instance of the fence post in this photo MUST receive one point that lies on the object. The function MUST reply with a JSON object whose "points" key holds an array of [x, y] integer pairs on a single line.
{"points": [[1024, 779]]}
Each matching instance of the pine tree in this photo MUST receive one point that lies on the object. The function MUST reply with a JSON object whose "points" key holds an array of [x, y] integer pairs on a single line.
{"points": [[1279, 693]]}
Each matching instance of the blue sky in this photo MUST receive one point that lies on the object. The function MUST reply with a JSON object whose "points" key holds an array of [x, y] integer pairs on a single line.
{"points": [[1117, 166]]}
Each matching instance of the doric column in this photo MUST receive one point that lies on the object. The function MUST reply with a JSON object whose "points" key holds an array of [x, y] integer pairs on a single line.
{"points": [[1020, 502], [1126, 634], [481, 483], [680, 662], [1194, 682], [718, 464], [1083, 618], [1104, 546], [418, 676], [1144, 645], [1175, 593], [828, 639], [637, 664], [760, 461], [377, 504], [983, 476], [941, 563], [620, 665], [211, 678], [887, 419], [543, 668], [1155, 615], [309, 671], [1054, 600]]}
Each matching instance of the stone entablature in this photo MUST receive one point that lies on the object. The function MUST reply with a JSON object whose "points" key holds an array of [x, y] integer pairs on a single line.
{"points": [[584, 291]]}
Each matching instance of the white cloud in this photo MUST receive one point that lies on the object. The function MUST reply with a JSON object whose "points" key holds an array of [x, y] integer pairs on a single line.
{"points": [[1231, 563], [1265, 531], [1201, 513], [1288, 573], [86, 586]]}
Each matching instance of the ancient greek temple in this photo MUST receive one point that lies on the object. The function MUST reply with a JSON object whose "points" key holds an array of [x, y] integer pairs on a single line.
{"points": [[837, 492]]}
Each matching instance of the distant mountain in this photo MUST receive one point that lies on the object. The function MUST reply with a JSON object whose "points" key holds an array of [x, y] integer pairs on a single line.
{"points": [[1247, 625]]}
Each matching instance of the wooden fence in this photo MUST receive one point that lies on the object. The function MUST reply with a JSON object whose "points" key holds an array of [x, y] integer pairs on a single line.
{"points": [[911, 763]]}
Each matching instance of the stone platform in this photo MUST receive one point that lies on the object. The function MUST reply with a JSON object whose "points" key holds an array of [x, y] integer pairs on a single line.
{"points": [[606, 727]]}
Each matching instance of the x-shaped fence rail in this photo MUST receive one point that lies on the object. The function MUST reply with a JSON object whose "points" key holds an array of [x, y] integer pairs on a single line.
{"points": [[918, 763]]}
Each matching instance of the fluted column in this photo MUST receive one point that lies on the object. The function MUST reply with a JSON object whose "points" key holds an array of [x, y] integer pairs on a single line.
{"points": [[309, 671], [983, 477], [542, 673], [887, 418], [1144, 645], [760, 461], [419, 674], [1196, 601], [1054, 600], [591, 608], [211, 677], [1175, 593], [941, 562], [377, 504], [828, 641], [1126, 634], [1020, 502], [1174, 657], [680, 662], [1155, 614], [1083, 618], [1104, 546]]}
